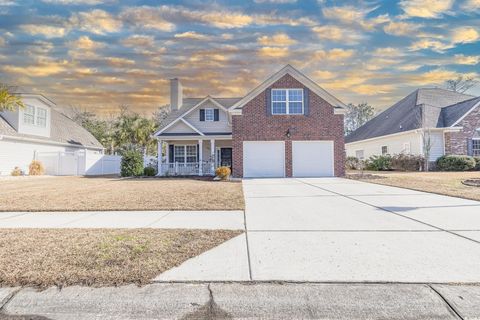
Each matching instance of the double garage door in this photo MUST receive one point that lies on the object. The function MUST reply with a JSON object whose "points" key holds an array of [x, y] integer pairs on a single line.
{"points": [[267, 159]]}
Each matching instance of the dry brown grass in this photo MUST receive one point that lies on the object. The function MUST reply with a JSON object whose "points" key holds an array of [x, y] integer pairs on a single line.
{"points": [[45, 257], [87, 194], [447, 183]]}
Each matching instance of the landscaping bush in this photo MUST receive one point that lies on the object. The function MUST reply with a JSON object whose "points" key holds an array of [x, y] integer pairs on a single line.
{"points": [[407, 162], [379, 163], [36, 168], [455, 163], [132, 163], [17, 172], [149, 171], [477, 163], [351, 163], [223, 172]]}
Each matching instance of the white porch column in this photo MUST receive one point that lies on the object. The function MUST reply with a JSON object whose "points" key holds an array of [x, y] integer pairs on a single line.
{"points": [[212, 155], [200, 157], [159, 156]]}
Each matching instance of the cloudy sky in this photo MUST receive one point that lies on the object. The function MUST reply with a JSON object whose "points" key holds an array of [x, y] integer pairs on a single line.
{"points": [[100, 54]]}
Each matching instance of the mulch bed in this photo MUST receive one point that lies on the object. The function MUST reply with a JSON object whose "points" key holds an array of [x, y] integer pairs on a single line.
{"points": [[472, 182]]}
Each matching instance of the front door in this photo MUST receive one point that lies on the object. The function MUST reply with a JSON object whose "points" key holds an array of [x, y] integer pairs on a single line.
{"points": [[226, 157]]}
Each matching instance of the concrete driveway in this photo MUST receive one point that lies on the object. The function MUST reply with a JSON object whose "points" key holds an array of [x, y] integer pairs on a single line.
{"points": [[332, 229]]}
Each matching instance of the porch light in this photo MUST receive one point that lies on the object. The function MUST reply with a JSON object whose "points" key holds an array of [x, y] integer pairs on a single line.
{"points": [[288, 133]]}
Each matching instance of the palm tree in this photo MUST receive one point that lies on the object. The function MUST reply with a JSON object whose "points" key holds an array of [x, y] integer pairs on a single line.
{"points": [[8, 100]]}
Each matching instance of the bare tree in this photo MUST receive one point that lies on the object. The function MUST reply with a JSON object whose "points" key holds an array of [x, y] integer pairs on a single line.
{"points": [[425, 134], [357, 116], [461, 84]]}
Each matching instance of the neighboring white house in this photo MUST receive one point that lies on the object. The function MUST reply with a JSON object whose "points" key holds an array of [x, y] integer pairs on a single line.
{"points": [[38, 131], [450, 121]]}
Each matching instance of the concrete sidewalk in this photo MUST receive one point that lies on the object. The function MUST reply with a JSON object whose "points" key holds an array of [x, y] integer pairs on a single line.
{"points": [[242, 301], [228, 220]]}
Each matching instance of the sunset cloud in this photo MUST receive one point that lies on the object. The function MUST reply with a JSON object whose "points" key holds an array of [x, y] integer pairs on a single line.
{"points": [[96, 21], [401, 28], [426, 8], [191, 35], [465, 35], [41, 68], [139, 41], [278, 40], [44, 30], [469, 60], [337, 34], [273, 52]]}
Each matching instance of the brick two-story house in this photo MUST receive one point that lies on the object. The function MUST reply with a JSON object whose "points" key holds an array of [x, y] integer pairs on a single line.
{"points": [[286, 127]]}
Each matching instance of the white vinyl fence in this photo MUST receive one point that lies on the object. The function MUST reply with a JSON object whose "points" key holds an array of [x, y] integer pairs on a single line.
{"points": [[80, 162]]}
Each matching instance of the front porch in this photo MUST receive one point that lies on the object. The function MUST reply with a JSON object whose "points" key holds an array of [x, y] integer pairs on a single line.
{"points": [[200, 157]]}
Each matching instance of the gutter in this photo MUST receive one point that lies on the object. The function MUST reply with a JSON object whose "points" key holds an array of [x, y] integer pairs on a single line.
{"points": [[2, 137]]}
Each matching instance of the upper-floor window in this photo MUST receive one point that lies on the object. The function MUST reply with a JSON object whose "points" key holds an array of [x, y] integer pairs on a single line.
{"points": [[209, 114], [384, 150], [41, 117], [29, 115], [35, 116], [287, 101]]}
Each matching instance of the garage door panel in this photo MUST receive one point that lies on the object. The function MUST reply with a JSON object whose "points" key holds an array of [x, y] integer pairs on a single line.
{"points": [[312, 158], [263, 159]]}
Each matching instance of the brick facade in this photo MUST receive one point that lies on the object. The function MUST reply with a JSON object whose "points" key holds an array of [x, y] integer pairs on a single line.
{"points": [[256, 125], [456, 142]]}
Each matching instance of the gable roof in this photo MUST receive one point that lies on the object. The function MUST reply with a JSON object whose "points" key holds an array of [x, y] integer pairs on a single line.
{"points": [[190, 103], [423, 106], [288, 69], [454, 113], [62, 130]]}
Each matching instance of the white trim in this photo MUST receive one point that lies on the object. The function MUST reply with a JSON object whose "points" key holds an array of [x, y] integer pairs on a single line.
{"points": [[466, 114], [449, 129], [213, 114], [288, 69], [185, 152], [174, 138], [287, 102], [191, 126], [180, 117], [40, 141]]}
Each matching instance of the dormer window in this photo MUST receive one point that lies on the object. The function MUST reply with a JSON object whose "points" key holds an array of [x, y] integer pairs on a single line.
{"points": [[41, 117], [35, 116], [29, 115], [287, 101]]}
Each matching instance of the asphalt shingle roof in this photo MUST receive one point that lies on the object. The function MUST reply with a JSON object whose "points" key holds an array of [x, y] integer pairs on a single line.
{"points": [[62, 129], [434, 107]]}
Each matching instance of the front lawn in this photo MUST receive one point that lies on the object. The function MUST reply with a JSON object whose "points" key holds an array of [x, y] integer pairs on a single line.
{"points": [[447, 183], [87, 194], [45, 257]]}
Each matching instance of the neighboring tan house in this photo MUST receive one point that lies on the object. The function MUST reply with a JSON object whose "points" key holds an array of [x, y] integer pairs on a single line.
{"points": [[450, 121], [287, 126], [38, 130]]}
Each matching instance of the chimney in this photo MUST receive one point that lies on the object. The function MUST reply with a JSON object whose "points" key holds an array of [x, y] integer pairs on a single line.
{"points": [[176, 94]]}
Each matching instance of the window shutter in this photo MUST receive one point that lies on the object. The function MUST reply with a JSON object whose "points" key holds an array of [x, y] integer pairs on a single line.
{"points": [[202, 114], [216, 115], [198, 152], [470, 147], [170, 153], [306, 101], [268, 101]]}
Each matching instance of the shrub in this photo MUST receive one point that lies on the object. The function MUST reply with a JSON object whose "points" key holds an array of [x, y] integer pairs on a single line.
{"points": [[379, 163], [455, 163], [351, 163], [36, 168], [149, 171], [132, 164], [477, 163], [407, 162], [223, 172], [17, 172]]}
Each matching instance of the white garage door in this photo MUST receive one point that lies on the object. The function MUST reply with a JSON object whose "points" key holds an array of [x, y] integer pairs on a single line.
{"points": [[263, 159], [312, 158]]}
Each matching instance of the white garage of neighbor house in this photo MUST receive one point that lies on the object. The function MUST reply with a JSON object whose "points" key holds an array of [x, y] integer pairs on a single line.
{"points": [[40, 132]]}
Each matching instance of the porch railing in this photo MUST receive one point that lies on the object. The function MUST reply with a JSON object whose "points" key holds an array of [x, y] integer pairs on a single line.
{"points": [[187, 169]]}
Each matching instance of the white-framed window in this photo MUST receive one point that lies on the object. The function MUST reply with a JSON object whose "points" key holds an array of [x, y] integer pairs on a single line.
{"points": [[359, 154], [209, 114], [476, 147], [406, 148], [185, 153], [41, 117], [384, 150], [29, 115], [287, 101]]}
